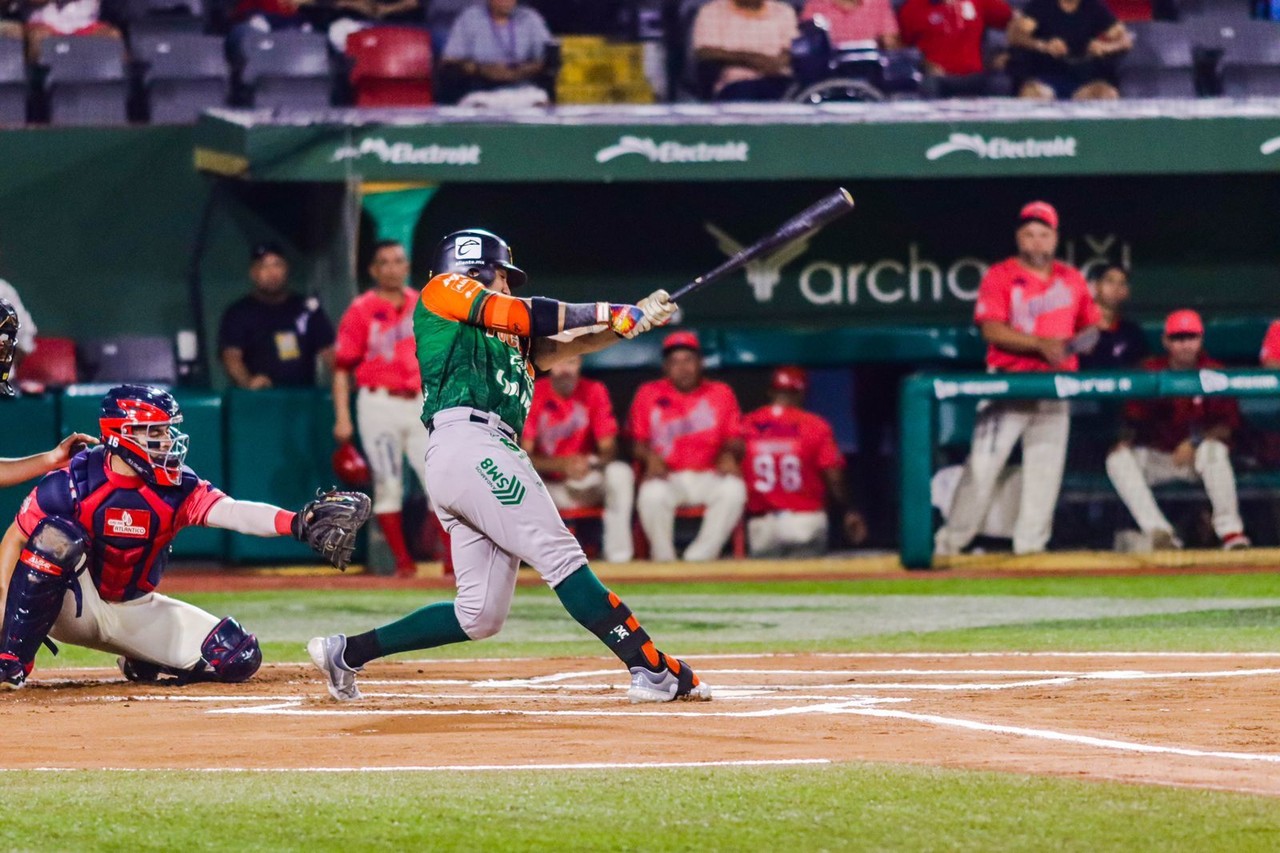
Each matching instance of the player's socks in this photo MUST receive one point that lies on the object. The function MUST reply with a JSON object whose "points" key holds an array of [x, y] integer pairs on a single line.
{"points": [[425, 628], [604, 614], [393, 529]]}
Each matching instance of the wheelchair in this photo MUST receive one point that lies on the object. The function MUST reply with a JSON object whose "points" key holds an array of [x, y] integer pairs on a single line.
{"points": [[856, 71]]}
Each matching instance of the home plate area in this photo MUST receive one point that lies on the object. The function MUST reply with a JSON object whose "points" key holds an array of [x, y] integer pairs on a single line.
{"points": [[1168, 718]]}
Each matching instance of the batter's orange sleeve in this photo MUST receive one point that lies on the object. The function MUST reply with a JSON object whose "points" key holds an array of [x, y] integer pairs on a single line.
{"points": [[465, 300]]}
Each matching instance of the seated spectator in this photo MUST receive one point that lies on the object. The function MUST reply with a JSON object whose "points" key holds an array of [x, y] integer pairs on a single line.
{"points": [[855, 20], [248, 17], [1179, 438], [1121, 344], [685, 429], [1065, 49], [64, 18], [950, 33], [792, 466], [272, 337], [1270, 355], [571, 436], [495, 52], [11, 19], [346, 17], [751, 42]]}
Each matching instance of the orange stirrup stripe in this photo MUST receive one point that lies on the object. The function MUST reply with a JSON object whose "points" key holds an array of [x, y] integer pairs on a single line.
{"points": [[465, 300]]}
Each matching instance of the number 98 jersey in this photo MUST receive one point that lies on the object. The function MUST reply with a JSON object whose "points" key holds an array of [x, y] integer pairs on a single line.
{"points": [[787, 449]]}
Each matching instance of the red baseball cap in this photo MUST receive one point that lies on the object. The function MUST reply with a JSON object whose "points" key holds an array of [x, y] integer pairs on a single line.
{"points": [[1038, 211], [790, 379], [682, 339], [1184, 322]]}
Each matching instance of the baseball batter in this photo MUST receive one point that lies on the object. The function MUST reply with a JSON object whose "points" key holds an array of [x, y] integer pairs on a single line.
{"points": [[376, 349], [686, 433], [1179, 439], [572, 437], [100, 528], [1029, 306], [792, 463], [14, 471], [477, 348]]}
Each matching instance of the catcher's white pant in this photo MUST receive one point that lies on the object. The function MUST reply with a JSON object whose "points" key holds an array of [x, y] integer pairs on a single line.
{"points": [[390, 429], [1134, 470], [497, 512], [153, 628], [614, 488], [723, 496], [1043, 426], [786, 533]]}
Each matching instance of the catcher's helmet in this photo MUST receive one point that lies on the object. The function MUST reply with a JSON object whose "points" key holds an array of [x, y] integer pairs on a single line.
{"points": [[139, 424], [475, 253], [790, 379], [350, 467], [8, 345]]}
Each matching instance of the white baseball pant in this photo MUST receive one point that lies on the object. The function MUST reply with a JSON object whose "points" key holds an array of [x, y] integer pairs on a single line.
{"points": [[1043, 426], [497, 512], [1002, 515], [152, 628], [1134, 470], [787, 534], [614, 488], [723, 496], [390, 428]]}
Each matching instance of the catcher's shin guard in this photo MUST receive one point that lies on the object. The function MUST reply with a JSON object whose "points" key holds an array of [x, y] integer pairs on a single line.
{"points": [[46, 569], [228, 655]]}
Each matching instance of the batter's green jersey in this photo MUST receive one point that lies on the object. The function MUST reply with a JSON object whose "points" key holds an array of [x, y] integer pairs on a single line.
{"points": [[466, 365]]}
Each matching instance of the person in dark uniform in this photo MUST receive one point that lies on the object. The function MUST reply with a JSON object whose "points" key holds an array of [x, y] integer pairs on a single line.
{"points": [[1121, 344]]}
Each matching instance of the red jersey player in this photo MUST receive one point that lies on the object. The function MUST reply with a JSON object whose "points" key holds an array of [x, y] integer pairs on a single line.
{"points": [[376, 348], [572, 437], [791, 464], [1029, 306], [685, 429], [1270, 355], [1179, 438]]}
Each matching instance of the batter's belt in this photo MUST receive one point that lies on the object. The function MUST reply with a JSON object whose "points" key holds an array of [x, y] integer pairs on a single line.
{"points": [[475, 416]]}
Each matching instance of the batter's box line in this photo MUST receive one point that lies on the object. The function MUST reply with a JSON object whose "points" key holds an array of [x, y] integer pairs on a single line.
{"points": [[293, 708], [1064, 737]]}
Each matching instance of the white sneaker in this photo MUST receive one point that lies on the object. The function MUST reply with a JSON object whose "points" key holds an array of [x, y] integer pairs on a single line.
{"points": [[666, 686], [326, 654]]}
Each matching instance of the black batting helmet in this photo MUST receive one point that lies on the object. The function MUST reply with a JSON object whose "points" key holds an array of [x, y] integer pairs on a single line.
{"points": [[475, 253], [8, 345]]}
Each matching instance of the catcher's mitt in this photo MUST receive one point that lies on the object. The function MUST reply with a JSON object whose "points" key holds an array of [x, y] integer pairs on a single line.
{"points": [[330, 522]]}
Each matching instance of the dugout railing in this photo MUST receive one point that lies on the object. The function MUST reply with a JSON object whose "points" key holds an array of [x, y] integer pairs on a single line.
{"points": [[924, 394]]}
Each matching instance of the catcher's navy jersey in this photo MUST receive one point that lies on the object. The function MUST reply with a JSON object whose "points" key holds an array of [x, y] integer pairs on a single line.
{"points": [[130, 522]]}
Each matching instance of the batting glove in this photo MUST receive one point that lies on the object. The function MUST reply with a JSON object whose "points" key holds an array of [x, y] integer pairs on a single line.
{"points": [[658, 308], [627, 321]]}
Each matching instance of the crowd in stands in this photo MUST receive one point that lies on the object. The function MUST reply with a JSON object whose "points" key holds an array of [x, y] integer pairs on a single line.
{"points": [[167, 60]]}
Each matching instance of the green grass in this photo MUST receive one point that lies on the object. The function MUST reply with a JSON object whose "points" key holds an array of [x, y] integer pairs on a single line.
{"points": [[839, 807]]}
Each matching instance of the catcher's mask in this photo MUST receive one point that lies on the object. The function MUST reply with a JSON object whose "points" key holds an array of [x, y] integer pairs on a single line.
{"points": [[8, 345], [476, 253], [140, 424]]}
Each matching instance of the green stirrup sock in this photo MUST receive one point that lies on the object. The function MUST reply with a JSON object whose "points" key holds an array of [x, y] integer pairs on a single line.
{"points": [[425, 628], [603, 614]]}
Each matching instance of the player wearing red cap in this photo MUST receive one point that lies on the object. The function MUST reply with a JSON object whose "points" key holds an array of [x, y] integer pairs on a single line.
{"points": [[792, 464], [572, 437], [685, 430], [1179, 439], [1029, 306], [376, 349]]}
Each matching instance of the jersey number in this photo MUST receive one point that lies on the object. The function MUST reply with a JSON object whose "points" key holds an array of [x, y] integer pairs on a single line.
{"points": [[773, 470]]}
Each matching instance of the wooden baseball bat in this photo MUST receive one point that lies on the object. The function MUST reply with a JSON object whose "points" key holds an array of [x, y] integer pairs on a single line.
{"points": [[807, 221]]}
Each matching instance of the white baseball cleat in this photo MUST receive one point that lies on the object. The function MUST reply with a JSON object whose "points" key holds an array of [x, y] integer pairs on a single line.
{"points": [[667, 686], [326, 654]]}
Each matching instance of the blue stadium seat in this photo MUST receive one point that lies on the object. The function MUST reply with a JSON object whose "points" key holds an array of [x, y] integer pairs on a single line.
{"points": [[288, 69], [86, 81], [185, 74], [13, 82]]}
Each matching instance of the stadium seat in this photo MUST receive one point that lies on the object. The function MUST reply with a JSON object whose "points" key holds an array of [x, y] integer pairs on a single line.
{"points": [[1160, 64], [13, 82], [85, 82], [392, 67], [185, 74], [52, 365], [129, 358], [288, 69], [1251, 59]]}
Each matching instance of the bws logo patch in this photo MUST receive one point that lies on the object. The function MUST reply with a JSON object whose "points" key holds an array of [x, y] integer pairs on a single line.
{"points": [[507, 488], [122, 522]]}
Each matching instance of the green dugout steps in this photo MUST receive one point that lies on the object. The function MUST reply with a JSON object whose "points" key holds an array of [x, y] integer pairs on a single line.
{"points": [[922, 394]]}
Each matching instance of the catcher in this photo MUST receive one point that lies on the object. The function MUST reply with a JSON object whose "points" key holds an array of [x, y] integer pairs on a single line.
{"points": [[99, 528], [14, 471]]}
